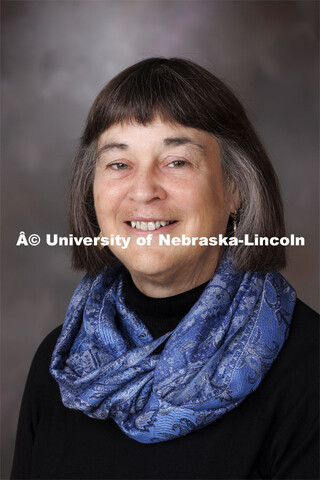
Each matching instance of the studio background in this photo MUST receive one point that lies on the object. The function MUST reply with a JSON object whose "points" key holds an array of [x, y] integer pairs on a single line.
{"points": [[56, 57]]}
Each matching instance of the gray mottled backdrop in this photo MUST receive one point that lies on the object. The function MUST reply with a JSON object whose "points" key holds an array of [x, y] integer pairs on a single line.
{"points": [[57, 55]]}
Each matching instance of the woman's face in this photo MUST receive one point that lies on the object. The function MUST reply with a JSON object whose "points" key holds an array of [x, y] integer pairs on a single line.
{"points": [[162, 172]]}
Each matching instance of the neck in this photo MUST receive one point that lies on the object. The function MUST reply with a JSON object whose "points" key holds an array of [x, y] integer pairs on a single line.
{"points": [[160, 315]]}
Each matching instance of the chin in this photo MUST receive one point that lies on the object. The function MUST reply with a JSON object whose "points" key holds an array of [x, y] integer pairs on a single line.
{"points": [[148, 263]]}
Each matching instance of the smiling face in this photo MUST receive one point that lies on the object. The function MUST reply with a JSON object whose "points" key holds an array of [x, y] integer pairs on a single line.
{"points": [[162, 178]]}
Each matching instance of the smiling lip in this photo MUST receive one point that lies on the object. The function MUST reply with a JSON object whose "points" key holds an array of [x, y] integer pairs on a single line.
{"points": [[149, 225]]}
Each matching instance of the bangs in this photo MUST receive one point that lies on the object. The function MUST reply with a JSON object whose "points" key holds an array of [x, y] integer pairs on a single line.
{"points": [[163, 88]]}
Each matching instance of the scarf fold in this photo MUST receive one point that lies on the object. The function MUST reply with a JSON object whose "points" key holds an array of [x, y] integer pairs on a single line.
{"points": [[105, 365]]}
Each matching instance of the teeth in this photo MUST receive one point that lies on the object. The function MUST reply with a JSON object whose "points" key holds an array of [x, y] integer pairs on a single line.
{"points": [[149, 226]]}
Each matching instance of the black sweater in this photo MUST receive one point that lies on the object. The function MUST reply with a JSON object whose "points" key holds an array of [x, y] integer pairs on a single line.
{"points": [[272, 434]]}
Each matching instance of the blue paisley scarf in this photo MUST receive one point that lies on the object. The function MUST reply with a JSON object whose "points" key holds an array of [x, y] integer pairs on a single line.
{"points": [[105, 365]]}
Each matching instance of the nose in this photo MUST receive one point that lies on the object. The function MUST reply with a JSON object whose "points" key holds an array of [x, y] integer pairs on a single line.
{"points": [[147, 186]]}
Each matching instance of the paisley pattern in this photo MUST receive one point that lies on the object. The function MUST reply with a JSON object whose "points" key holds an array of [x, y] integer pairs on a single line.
{"points": [[105, 365]]}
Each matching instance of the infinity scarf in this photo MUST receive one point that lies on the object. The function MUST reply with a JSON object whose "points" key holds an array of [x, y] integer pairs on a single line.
{"points": [[105, 365]]}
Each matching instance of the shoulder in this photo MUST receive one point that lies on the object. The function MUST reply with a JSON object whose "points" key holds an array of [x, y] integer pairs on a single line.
{"points": [[40, 390], [293, 377], [304, 313], [304, 331], [289, 400], [40, 364], [295, 371], [303, 338], [47, 345]]}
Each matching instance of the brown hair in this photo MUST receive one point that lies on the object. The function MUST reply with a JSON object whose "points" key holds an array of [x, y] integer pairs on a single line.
{"points": [[181, 91]]}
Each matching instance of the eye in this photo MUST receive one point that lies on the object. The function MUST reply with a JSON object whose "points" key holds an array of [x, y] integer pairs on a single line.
{"points": [[177, 164], [118, 166]]}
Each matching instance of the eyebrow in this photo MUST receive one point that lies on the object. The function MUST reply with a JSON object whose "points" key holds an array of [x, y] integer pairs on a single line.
{"points": [[170, 141], [176, 141], [112, 146]]}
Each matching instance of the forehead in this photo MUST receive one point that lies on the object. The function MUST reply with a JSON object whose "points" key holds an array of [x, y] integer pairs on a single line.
{"points": [[157, 133]]}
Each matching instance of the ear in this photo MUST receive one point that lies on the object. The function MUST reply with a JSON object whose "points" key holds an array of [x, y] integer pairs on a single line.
{"points": [[235, 201]]}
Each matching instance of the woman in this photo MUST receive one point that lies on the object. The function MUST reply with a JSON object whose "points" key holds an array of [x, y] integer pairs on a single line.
{"points": [[189, 361]]}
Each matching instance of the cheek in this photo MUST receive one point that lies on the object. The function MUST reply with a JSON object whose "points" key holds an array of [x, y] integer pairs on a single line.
{"points": [[108, 191], [102, 194], [96, 188], [209, 200], [98, 202], [212, 209], [97, 199], [107, 204], [101, 203]]}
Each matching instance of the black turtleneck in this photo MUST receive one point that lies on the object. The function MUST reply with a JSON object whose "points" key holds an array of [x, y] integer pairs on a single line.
{"points": [[272, 434], [160, 315]]}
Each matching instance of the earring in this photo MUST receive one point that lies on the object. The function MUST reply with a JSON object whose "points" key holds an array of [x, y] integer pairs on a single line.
{"points": [[100, 247], [234, 217]]}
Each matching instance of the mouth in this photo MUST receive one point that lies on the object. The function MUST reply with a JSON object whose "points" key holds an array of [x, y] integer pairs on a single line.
{"points": [[150, 226]]}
